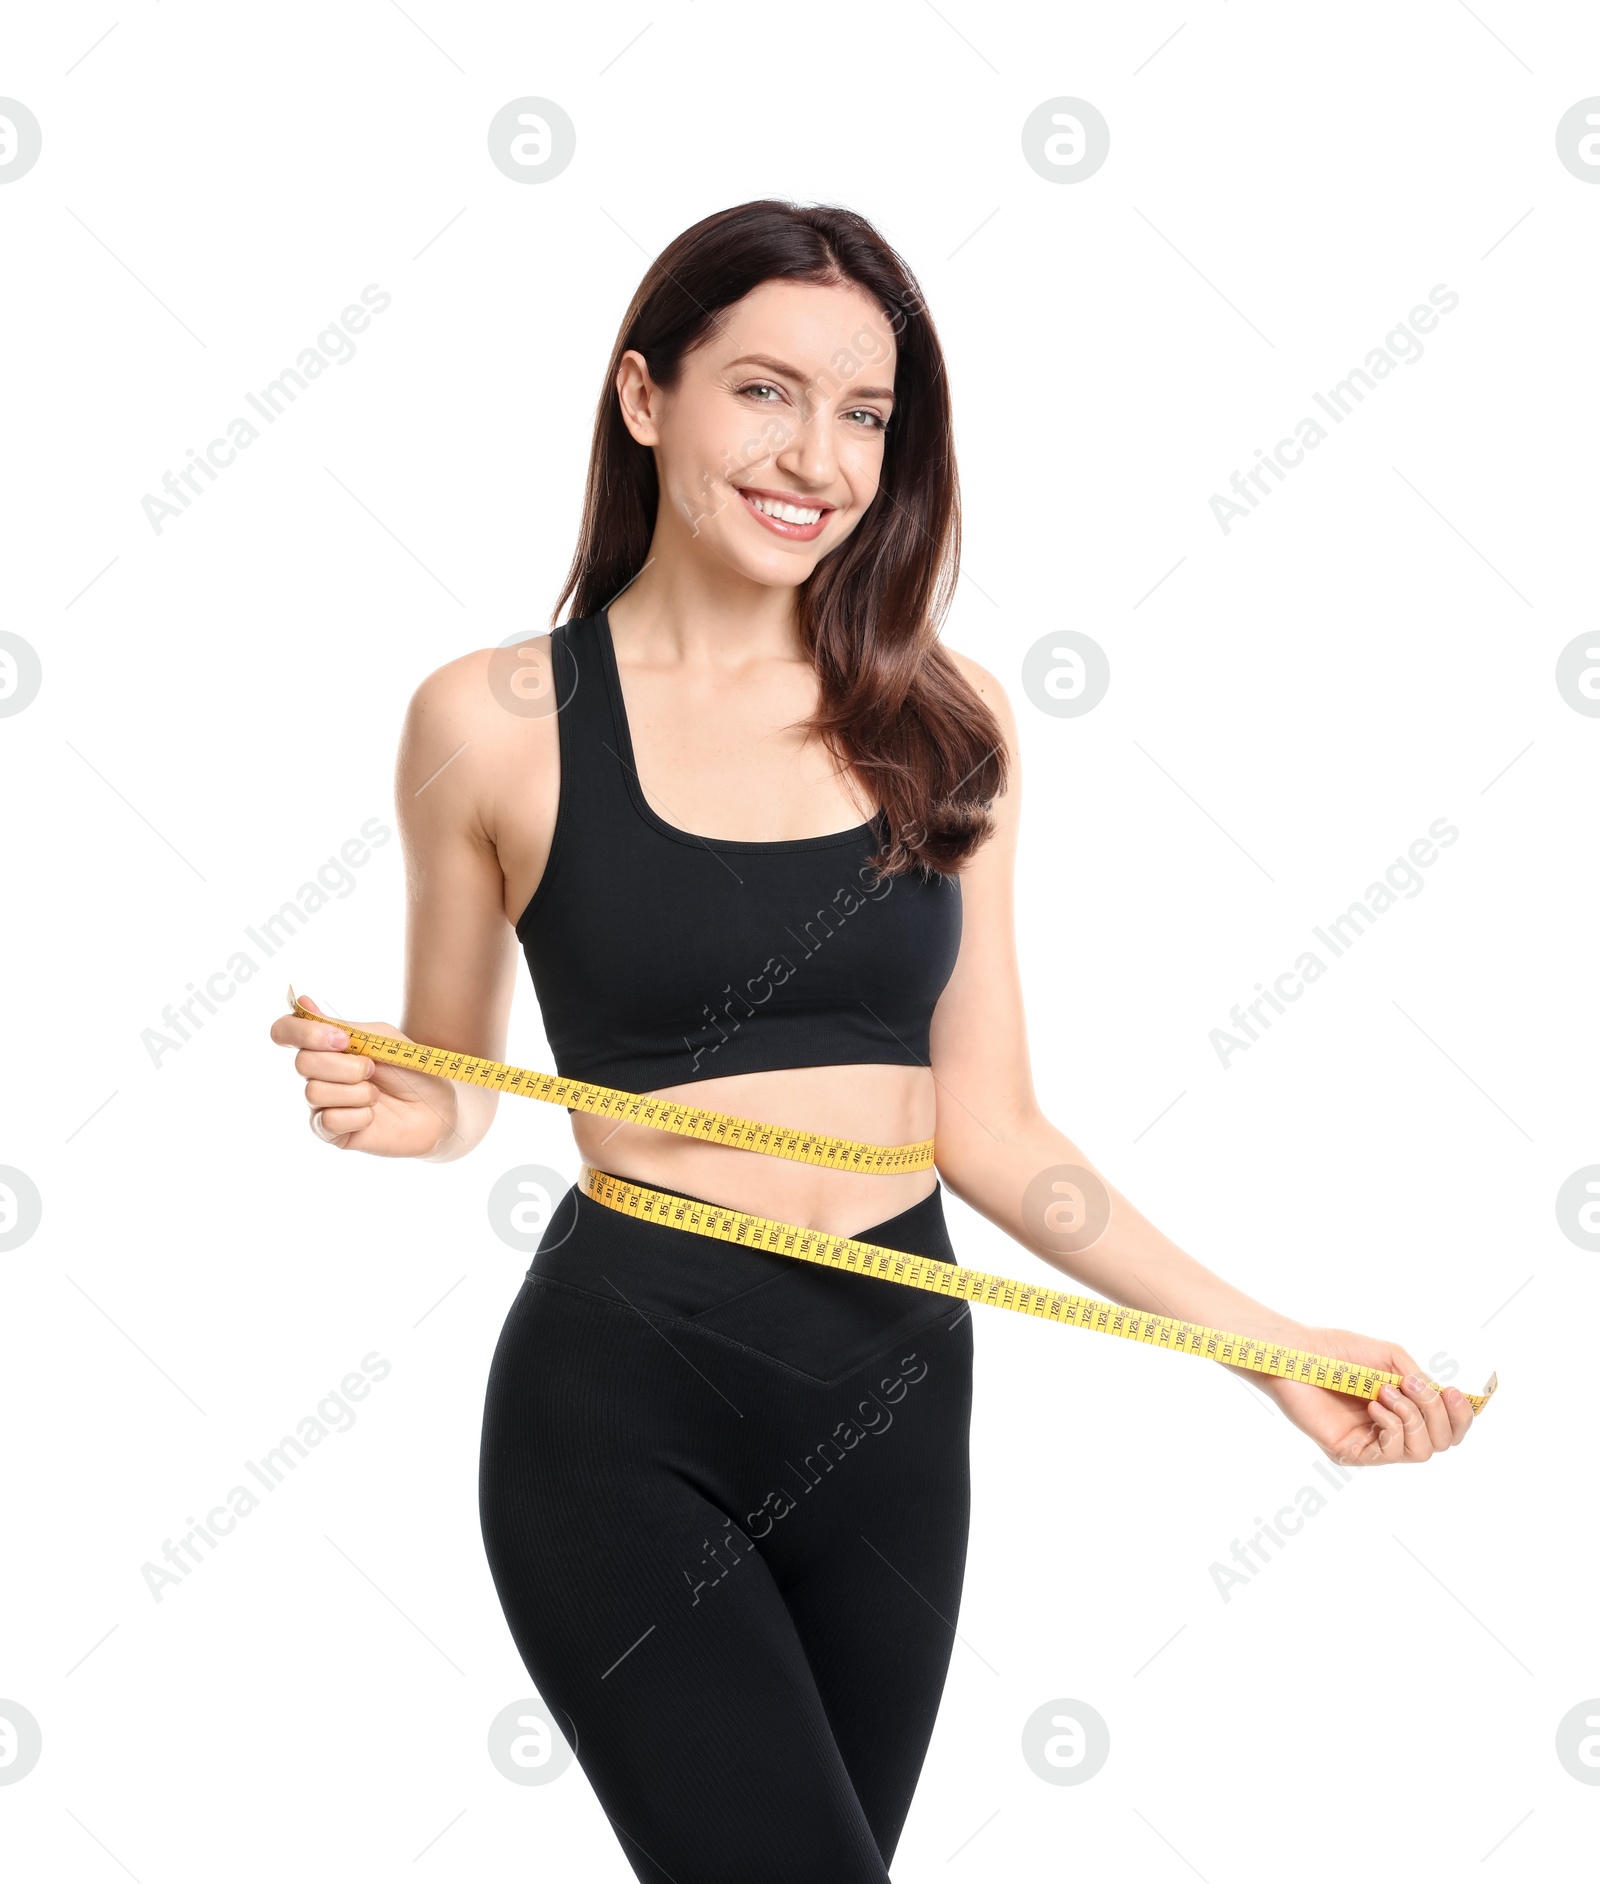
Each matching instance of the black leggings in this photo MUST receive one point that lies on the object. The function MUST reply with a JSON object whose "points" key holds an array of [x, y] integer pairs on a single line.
{"points": [[724, 1497]]}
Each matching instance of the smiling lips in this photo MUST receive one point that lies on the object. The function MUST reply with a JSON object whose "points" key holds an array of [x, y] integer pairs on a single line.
{"points": [[785, 517]]}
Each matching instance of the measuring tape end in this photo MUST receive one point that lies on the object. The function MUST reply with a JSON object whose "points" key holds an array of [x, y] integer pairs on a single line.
{"points": [[297, 1006]]}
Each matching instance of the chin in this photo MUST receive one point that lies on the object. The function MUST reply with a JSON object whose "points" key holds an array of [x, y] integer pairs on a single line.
{"points": [[771, 571]]}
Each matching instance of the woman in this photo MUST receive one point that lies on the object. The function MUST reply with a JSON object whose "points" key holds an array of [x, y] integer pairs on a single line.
{"points": [[754, 827]]}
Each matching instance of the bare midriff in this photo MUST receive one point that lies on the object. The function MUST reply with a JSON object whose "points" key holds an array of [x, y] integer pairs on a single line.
{"points": [[878, 1105]]}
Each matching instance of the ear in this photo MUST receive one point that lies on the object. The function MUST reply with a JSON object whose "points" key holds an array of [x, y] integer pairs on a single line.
{"points": [[640, 398]]}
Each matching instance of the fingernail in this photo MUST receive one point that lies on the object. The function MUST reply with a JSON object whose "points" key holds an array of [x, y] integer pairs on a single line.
{"points": [[334, 1037], [1414, 1385], [1453, 1396], [1388, 1395]]}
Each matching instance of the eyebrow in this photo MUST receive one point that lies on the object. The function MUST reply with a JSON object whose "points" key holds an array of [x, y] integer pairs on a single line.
{"points": [[793, 372]]}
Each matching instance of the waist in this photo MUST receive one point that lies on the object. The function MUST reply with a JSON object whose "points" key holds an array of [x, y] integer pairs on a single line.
{"points": [[879, 1105]]}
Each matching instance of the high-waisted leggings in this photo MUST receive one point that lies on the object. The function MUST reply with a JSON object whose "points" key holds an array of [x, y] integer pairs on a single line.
{"points": [[725, 1499]]}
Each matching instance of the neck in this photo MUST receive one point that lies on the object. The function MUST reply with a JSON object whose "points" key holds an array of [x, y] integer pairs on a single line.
{"points": [[683, 607]]}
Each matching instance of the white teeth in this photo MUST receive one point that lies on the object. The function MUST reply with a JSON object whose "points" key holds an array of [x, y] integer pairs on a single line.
{"points": [[786, 513]]}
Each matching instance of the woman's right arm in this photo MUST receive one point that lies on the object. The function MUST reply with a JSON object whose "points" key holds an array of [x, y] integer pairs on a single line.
{"points": [[460, 752]]}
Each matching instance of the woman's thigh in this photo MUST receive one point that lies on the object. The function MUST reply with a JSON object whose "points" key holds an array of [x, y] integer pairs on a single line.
{"points": [[876, 1612], [700, 1551]]}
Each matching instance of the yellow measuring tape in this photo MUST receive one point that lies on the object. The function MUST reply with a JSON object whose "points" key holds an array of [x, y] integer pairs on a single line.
{"points": [[632, 1108], [976, 1285], [848, 1253]]}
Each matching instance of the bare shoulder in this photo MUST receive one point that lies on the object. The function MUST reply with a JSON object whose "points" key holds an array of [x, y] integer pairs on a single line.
{"points": [[989, 690], [484, 716], [490, 686]]}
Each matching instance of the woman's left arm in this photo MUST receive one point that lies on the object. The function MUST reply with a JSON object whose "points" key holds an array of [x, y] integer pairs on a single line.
{"points": [[995, 1149]]}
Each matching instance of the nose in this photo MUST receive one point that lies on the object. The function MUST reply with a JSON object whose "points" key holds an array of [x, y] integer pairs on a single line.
{"points": [[809, 454]]}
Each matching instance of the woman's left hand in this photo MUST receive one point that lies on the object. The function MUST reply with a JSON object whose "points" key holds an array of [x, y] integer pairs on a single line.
{"points": [[1400, 1427]]}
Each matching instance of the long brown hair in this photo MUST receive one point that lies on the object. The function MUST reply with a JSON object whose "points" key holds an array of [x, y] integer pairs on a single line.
{"points": [[893, 707]]}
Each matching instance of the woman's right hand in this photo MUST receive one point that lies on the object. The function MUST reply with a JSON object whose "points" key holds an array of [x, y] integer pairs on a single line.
{"points": [[359, 1104]]}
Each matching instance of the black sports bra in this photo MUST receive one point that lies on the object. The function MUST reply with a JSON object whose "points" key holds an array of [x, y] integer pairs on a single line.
{"points": [[659, 957]]}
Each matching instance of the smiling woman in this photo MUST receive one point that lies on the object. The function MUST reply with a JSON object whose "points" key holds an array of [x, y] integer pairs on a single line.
{"points": [[755, 829], [785, 511]]}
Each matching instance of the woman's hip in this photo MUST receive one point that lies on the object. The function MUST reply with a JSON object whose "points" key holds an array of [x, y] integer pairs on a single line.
{"points": [[819, 1323]]}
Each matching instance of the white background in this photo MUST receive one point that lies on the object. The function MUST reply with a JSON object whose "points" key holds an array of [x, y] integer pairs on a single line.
{"points": [[1372, 649]]}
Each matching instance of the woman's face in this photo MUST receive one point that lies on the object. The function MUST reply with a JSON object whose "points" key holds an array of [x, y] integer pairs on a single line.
{"points": [[782, 411]]}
